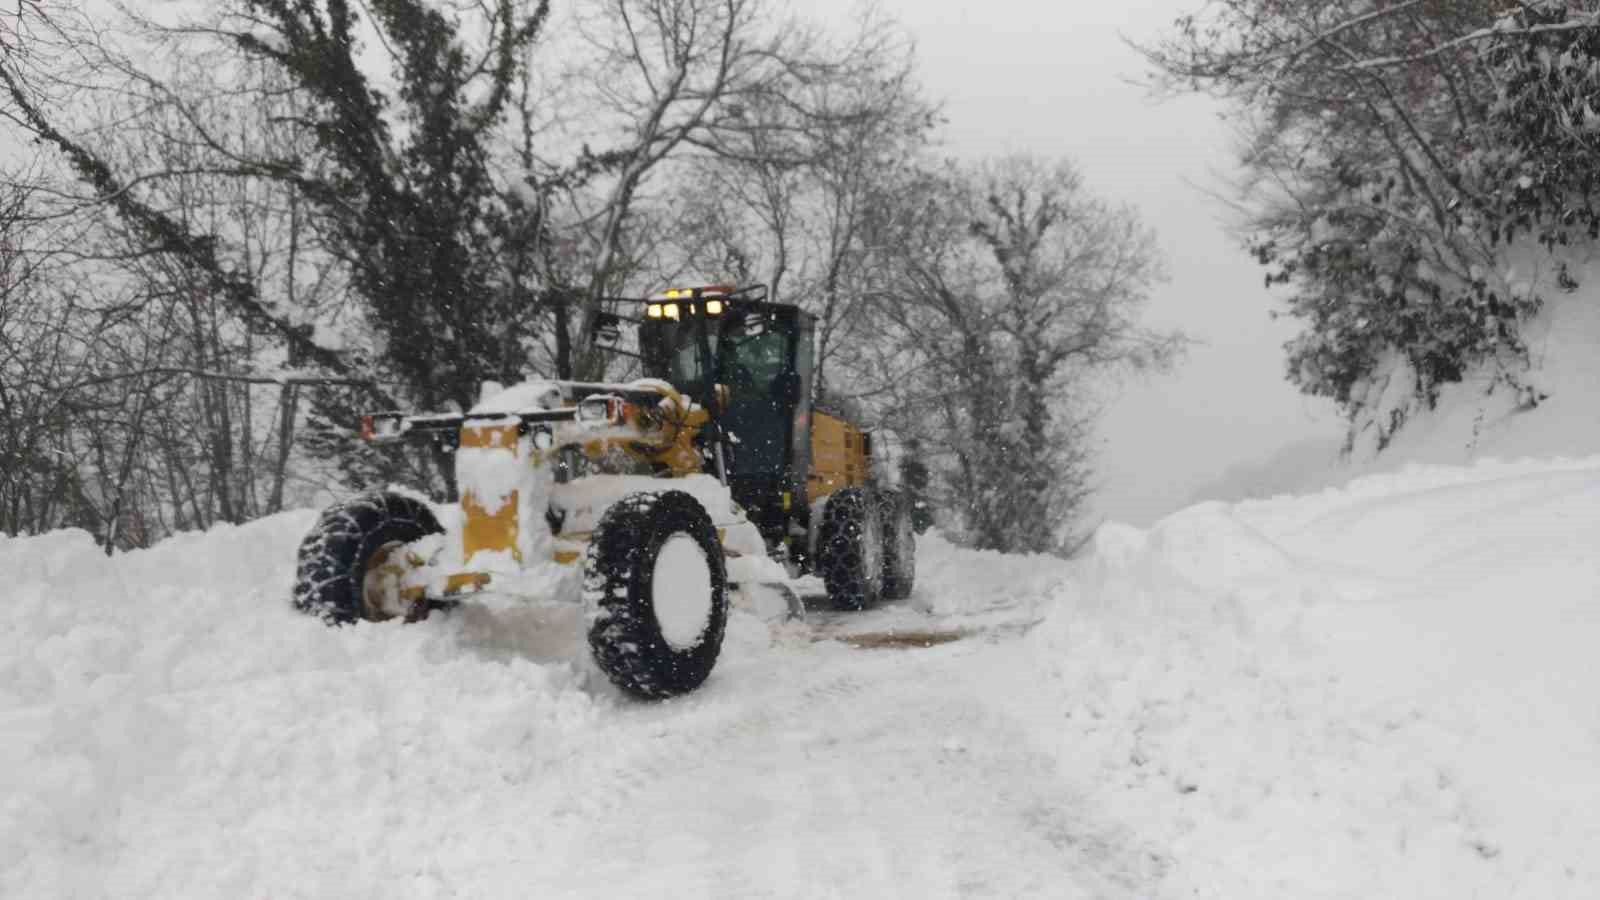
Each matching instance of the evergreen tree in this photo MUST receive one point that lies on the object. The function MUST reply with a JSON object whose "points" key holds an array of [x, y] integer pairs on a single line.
{"points": [[1002, 287]]}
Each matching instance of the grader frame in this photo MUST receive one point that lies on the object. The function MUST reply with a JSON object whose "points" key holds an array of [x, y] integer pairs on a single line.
{"points": [[715, 470]]}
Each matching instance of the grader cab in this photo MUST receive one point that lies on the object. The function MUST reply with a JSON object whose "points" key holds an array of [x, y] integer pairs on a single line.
{"points": [[715, 473]]}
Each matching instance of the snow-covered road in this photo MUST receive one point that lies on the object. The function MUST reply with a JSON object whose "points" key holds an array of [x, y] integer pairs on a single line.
{"points": [[1384, 690], [177, 731], [827, 771]]}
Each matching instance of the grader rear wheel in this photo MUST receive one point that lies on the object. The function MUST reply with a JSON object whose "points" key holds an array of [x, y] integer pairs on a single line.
{"points": [[850, 550], [899, 545]]}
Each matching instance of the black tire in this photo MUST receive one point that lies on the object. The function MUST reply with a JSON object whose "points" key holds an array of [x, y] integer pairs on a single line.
{"points": [[335, 552], [850, 549], [899, 545], [625, 634]]}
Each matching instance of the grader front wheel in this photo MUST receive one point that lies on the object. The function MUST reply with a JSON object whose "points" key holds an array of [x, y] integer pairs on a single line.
{"points": [[656, 588]]}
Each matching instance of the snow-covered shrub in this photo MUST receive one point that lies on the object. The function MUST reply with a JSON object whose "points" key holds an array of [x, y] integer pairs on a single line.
{"points": [[1540, 165], [1398, 156]]}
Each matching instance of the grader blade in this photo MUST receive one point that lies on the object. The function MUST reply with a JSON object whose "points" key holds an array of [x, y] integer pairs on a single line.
{"points": [[772, 601]]}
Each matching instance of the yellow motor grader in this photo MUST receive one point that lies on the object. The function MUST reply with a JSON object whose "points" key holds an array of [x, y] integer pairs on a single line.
{"points": [[714, 473]]}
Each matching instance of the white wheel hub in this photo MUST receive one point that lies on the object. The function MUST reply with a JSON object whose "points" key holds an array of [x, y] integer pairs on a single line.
{"points": [[380, 589], [680, 586]]}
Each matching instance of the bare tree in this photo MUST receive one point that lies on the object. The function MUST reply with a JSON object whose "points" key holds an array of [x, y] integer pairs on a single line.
{"points": [[680, 78], [1007, 287], [786, 198], [267, 233], [123, 361], [35, 493]]}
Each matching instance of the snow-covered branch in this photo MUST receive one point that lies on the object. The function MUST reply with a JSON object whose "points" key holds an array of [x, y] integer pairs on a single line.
{"points": [[1501, 31]]}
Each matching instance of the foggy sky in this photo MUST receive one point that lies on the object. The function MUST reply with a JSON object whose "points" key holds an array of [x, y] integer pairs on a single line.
{"points": [[1053, 79]]}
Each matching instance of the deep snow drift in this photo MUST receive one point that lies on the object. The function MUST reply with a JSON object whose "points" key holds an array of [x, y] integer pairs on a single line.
{"points": [[1385, 690], [1380, 690]]}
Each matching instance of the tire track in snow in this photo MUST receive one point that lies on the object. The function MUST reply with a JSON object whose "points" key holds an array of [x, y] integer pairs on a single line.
{"points": [[837, 772]]}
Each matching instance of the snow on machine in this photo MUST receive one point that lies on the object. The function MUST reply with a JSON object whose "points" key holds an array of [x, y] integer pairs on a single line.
{"points": [[713, 474]]}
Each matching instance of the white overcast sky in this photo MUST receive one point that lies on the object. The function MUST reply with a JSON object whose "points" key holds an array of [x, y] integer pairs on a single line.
{"points": [[1050, 78]]}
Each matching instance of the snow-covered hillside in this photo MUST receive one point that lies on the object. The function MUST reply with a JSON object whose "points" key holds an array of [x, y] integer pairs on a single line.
{"points": [[1479, 418], [1380, 690]]}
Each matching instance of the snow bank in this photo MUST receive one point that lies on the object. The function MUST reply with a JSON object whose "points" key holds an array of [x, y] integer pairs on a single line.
{"points": [[173, 728], [956, 581], [1381, 690], [1384, 689]]}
